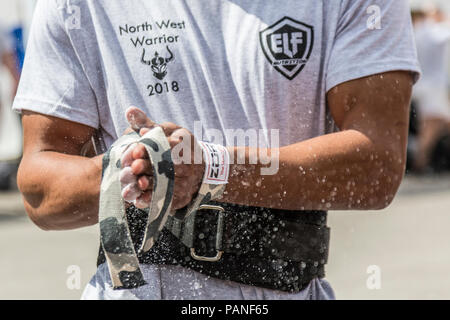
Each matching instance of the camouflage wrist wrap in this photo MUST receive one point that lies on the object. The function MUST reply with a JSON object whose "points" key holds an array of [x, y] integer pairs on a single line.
{"points": [[115, 236]]}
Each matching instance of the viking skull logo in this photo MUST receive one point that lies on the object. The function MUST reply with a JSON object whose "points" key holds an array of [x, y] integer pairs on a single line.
{"points": [[158, 63]]}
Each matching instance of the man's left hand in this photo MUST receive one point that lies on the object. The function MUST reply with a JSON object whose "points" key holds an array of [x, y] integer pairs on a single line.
{"points": [[136, 176]]}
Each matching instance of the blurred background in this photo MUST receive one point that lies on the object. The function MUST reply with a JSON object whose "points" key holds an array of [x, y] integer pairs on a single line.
{"points": [[402, 252]]}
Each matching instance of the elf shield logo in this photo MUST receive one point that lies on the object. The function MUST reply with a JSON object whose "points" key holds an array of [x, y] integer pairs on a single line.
{"points": [[287, 45]]}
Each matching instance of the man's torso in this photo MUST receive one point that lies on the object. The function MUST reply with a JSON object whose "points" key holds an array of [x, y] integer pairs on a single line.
{"points": [[230, 64]]}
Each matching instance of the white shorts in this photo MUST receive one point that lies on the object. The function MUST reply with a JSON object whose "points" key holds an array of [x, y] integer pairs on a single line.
{"points": [[177, 283]]}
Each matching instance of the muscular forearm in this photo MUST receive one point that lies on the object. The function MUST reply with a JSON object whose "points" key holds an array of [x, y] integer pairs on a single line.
{"points": [[60, 191], [339, 171], [345, 170]]}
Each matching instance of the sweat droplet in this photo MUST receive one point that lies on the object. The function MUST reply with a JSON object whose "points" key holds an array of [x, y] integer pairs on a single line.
{"points": [[197, 285]]}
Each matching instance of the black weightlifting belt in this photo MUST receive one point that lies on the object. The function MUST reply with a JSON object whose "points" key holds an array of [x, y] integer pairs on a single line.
{"points": [[269, 248]]}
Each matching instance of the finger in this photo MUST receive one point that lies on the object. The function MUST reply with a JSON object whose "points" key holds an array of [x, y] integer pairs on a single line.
{"points": [[127, 156], [142, 167], [143, 131], [127, 177], [131, 192], [138, 119], [140, 204], [144, 183], [139, 152], [169, 128], [144, 200], [181, 134], [174, 140], [128, 130]]}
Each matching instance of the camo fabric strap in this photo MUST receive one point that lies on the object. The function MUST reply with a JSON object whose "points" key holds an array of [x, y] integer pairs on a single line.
{"points": [[159, 152], [116, 241], [206, 193]]}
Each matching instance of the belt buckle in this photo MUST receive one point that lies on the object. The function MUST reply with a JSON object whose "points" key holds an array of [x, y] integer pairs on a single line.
{"points": [[219, 234]]}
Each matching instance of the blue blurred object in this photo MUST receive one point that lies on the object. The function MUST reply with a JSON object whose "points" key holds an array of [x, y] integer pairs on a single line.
{"points": [[18, 44]]}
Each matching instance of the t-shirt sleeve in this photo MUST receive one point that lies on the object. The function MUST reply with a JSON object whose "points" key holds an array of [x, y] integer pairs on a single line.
{"points": [[53, 81], [373, 36]]}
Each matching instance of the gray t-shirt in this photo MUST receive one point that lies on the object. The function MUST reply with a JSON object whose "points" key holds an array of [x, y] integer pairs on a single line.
{"points": [[229, 64]]}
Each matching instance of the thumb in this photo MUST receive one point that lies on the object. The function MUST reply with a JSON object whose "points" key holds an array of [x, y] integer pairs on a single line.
{"points": [[138, 119]]}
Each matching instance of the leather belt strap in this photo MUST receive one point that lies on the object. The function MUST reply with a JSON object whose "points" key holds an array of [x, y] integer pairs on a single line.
{"points": [[283, 239], [245, 261]]}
